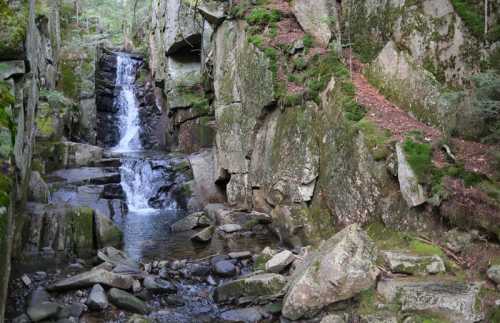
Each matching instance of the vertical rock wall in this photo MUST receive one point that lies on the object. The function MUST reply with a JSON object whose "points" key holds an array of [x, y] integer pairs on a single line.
{"points": [[28, 62]]}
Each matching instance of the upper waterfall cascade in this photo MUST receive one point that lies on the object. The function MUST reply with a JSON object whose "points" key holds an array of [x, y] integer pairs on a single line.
{"points": [[127, 104]]}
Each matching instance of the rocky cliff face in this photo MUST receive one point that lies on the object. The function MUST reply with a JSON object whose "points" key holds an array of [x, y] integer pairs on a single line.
{"points": [[28, 64], [302, 150]]}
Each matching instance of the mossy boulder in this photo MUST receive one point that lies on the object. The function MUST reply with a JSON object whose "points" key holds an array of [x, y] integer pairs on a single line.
{"points": [[256, 286], [344, 266]]}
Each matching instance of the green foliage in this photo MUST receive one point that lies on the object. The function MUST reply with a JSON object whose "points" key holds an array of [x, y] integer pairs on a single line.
{"points": [[308, 42], [13, 25], [6, 121], [471, 15], [376, 139], [263, 16], [419, 157], [425, 249], [256, 40], [486, 105]]}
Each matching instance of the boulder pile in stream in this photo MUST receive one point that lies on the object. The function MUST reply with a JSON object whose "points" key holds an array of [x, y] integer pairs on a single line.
{"points": [[306, 284]]}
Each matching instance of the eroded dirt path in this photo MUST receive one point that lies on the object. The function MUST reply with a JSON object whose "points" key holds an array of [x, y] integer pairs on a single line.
{"points": [[475, 156]]}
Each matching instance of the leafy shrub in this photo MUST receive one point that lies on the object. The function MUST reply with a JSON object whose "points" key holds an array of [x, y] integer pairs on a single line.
{"points": [[263, 16], [419, 156]]}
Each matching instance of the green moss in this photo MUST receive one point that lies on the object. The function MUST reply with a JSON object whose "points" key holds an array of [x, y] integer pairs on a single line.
{"points": [[69, 82], [263, 16], [419, 157], [260, 262], [425, 249], [13, 26], [428, 318], [256, 40], [367, 302], [377, 140], [471, 15], [82, 229], [308, 42]]}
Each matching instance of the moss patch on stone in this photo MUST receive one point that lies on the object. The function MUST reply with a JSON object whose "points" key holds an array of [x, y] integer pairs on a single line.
{"points": [[377, 139]]}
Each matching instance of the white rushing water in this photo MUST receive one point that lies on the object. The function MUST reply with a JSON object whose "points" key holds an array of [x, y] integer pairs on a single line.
{"points": [[128, 106]]}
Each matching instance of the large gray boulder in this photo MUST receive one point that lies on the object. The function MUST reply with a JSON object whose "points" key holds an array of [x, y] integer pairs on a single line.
{"points": [[90, 278], [400, 262], [315, 17], [97, 300], [203, 166], [127, 301], [204, 235], [250, 287], [116, 257], [78, 154], [190, 222], [158, 285], [280, 261], [493, 273], [40, 307], [107, 233], [344, 266], [413, 193], [212, 11], [250, 314], [456, 301]]}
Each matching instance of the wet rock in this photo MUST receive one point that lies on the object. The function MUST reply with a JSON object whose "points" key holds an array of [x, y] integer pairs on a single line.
{"points": [[250, 314], [204, 235], [127, 270], [333, 318], [38, 189], [250, 287], [404, 263], [139, 319], [413, 193], [190, 222], [107, 233], [72, 311], [26, 280], [230, 228], [280, 261], [456, 301], [198, 270], [240, 255], [158, 285], [136, 286], [174, 300], [97, 300], [344, 266], [40, 275], [40, 308], [90, 278], [225, 268], [126, 301], [493, 273], [116, 257], [23, 318]]}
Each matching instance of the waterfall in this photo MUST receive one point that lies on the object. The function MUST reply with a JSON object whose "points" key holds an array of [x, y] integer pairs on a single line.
{"points": [[127, 104]]}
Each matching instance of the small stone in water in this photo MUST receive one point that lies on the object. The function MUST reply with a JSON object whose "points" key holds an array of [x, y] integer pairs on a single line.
{"points": [[26, 280]]}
